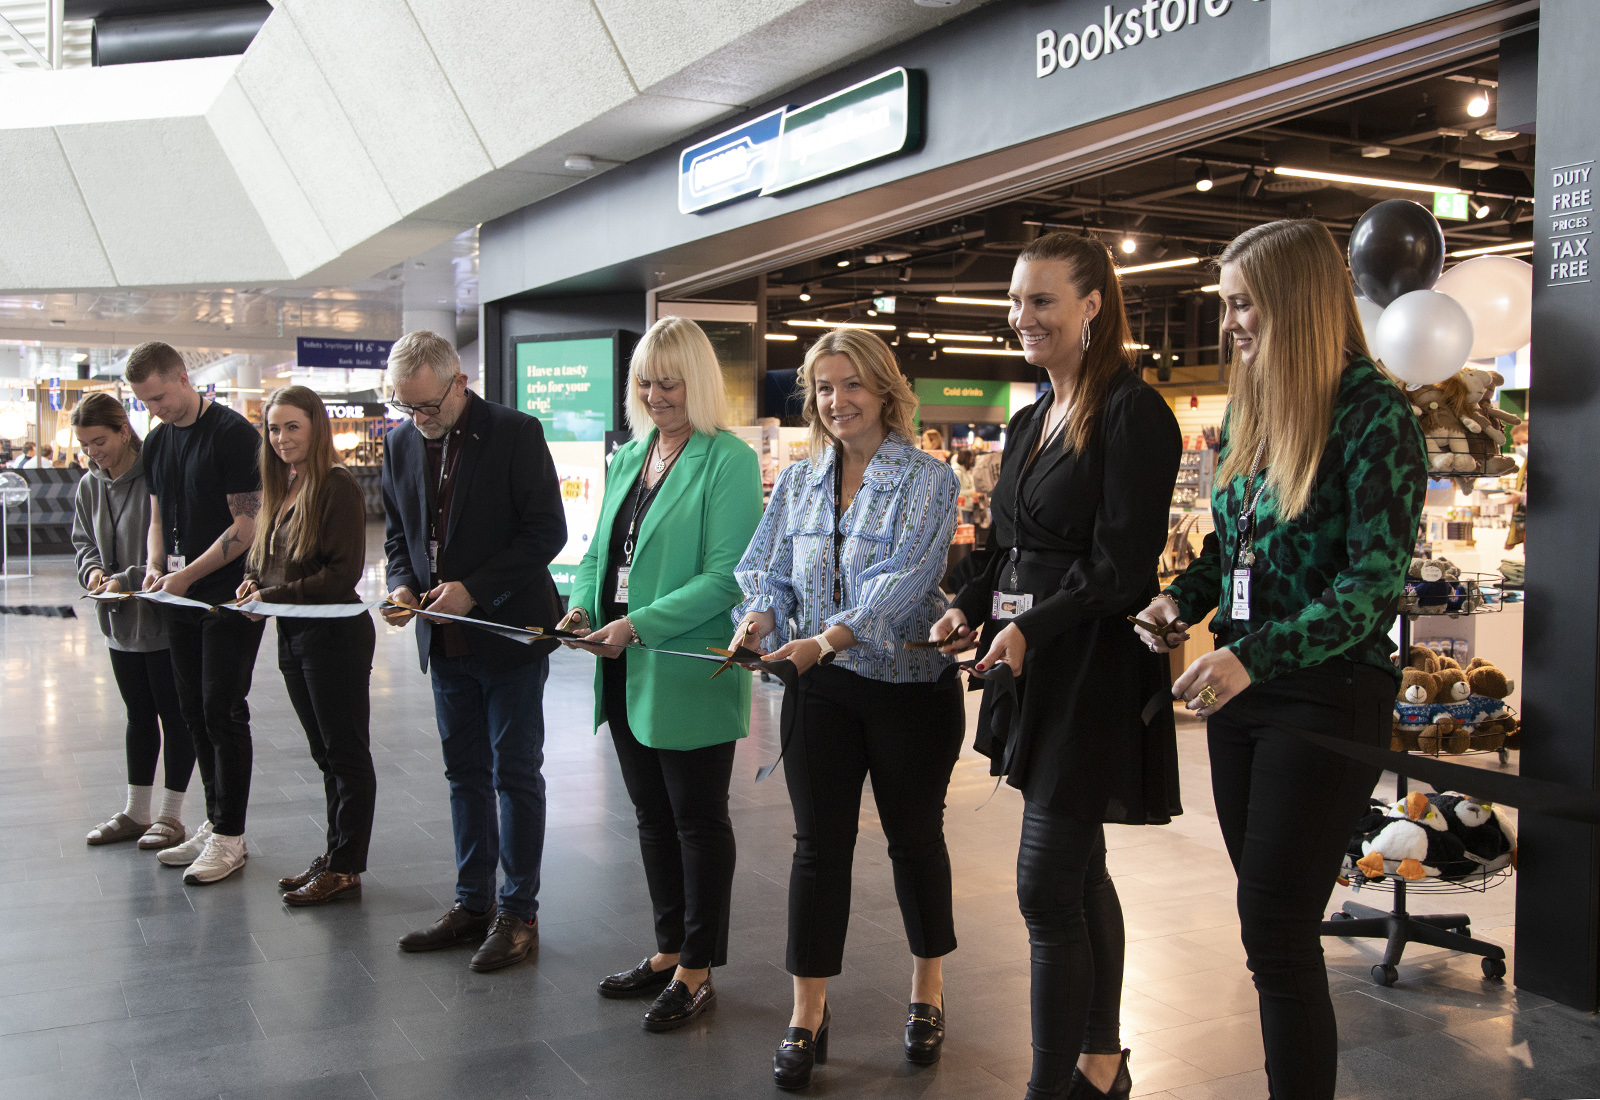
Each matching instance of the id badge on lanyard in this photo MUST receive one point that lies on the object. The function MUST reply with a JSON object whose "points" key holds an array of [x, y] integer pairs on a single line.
{"points": [[1008, 605], [622, 583], [1241, 592], [175, 562]]}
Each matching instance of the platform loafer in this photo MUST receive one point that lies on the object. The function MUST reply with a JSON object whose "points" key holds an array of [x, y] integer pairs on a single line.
{"points": [[1121, 1087], [677, 1006], [641, 979], [799, 1053], [924, 1033]]}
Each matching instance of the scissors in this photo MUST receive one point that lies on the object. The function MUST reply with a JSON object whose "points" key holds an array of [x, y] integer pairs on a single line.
{"points": [[955, 632], [739, 655]]}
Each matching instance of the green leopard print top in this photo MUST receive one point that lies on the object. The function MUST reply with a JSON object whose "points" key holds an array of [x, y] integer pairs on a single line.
{"points": [[1327, 584]]}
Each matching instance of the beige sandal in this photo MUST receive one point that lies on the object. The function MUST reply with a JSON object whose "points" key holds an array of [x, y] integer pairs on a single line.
{"points": [[121, 827], [164, 832]]}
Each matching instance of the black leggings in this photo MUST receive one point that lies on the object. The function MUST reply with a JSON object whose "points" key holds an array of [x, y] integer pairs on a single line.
{"points": [[1287, 809], [907, 738], [1075, 932], [327, 667], [155, 720], [680, 797]]}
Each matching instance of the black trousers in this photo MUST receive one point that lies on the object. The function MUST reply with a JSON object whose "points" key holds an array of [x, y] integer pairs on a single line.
{"points": [[327, 667], [155, 720], [907, 738], [1287, 809], [1076, 939], [213, 659], [685, 835]]}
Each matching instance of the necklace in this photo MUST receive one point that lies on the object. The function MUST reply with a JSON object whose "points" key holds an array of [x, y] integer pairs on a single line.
{"points": [[661, 460]]}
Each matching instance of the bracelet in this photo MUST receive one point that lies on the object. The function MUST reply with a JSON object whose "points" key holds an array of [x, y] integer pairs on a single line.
{"points": [[633, 634]]}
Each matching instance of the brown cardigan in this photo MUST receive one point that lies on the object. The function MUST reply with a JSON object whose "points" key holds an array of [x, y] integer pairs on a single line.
{"points": [[332, 574]]}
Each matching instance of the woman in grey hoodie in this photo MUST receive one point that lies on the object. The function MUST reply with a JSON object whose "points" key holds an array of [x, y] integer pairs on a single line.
{"points": [[112, 516]]}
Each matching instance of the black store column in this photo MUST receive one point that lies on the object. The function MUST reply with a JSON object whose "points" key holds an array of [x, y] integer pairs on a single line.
{"points": [[1558, 882]]}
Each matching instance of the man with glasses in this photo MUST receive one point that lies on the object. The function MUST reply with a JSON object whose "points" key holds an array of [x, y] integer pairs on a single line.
{"points": [[473, 520]]}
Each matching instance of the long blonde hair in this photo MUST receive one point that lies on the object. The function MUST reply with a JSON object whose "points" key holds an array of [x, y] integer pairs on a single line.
{"points": [[676, 347], [879, 373], [1108, 356], [1309, 331], [305, 526]]}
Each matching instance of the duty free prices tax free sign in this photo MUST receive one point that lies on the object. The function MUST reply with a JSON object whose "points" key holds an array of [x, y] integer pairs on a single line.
{"points": [[876, 118]]}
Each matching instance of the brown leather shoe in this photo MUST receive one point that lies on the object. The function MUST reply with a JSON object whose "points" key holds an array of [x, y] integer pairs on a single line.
{"points": [[294, 882], [510, 941], [325, 887], [456, 926]]}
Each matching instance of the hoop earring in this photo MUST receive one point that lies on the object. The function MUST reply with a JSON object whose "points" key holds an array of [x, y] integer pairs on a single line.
{"points": [[1086, 334]]}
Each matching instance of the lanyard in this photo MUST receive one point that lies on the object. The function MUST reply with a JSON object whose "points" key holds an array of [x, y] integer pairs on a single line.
{"points": [[1247, 510], [116, 515], [434, 516], [1022, 475], [837, 535], [642, 499], [182, 467]]}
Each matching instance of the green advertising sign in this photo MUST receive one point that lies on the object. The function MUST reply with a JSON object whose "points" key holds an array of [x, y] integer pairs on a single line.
{"points": [[875, 118], [567, 384], [962, 391]]}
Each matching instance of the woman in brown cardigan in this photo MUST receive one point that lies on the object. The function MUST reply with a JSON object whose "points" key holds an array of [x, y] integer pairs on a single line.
{"points": [[310, 548]]}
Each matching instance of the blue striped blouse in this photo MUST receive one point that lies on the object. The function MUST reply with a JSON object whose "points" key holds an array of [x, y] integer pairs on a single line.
{"points": [[897, 533]]}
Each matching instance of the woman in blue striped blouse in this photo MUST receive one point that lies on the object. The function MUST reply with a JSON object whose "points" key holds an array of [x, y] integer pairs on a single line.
{"points": [[847, 561]]}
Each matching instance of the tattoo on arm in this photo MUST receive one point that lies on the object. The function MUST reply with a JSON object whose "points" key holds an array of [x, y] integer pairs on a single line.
{"points": [[229, 537], [244, 504]]}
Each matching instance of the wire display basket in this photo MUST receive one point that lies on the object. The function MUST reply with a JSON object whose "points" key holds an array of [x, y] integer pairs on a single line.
{"points": [[1472, 884], [1467, 594]]}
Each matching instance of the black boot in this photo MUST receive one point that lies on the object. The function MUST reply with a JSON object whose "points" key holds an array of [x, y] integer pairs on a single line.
{"points": [[1121, 1087], [924, 1033], [799, 1052]]}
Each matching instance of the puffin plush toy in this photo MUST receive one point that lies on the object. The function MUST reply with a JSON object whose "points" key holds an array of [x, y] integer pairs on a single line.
{"points": [[1403, 841]]}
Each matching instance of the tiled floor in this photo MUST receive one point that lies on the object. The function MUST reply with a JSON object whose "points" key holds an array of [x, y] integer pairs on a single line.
{"points": [[117, 981]]}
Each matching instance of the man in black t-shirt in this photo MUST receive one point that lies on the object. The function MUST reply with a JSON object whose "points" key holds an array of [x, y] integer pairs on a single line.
{"points": [[202, 462]]}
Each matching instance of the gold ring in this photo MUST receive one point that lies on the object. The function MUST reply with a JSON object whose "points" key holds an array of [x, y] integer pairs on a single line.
{"points": [[1208, 697]]}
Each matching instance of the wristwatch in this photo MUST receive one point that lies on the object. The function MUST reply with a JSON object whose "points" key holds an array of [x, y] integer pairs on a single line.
{"points": [[823, 644]]}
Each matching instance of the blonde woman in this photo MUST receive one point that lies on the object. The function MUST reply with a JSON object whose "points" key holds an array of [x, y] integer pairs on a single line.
{"points": [[850, 551], [1316, 504], [311, 548], [682, 499]]}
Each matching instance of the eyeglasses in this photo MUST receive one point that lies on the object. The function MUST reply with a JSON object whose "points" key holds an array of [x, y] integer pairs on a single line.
{"points": [[427, 408]]}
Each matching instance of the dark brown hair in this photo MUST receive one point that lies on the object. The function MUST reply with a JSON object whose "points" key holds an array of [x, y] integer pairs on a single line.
{"points": [[152, 357], [101, 410], [1091, 268]]}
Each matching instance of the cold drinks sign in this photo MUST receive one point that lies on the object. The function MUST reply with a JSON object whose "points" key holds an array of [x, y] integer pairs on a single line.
{"points": [[1120, 30]]}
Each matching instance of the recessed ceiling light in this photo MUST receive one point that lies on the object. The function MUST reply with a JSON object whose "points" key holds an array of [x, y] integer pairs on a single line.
{"points": [[1129, 245]]}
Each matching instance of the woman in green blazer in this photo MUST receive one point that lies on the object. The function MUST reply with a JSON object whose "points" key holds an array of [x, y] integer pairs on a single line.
{"points": [[682, 500]]}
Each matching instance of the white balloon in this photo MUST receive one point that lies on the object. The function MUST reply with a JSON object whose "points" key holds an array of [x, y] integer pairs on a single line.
{"points": [[1370, 312], [1423, 337], [1497, 293]]}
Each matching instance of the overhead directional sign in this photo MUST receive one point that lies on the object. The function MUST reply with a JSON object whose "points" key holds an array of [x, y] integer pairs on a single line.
{"points": [[794, 145], [349, 354], [732, 164]]}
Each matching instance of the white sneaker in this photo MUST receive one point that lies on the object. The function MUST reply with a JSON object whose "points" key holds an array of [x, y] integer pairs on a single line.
{"points": [[223, 856], [181, 855]]}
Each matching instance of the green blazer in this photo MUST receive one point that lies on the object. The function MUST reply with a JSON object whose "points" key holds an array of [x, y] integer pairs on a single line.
{"points": [[681, 590]]}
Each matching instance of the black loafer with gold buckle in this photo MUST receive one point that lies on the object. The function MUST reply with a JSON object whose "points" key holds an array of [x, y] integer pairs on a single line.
{"points": [[924, 1033], [792, 1062]]}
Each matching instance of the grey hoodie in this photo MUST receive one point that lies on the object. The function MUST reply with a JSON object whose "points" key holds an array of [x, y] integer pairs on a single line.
{"points": [[118, 549]]}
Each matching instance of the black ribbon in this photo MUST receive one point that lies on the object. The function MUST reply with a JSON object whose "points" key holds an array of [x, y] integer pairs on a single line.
{"points": [[1539, 796]]}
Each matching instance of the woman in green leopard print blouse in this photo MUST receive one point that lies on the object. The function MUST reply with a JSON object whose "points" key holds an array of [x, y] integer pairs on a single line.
{"points": [[1318, 497]]}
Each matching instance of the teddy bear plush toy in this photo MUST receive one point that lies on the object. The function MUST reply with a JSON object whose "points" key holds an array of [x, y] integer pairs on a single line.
{"points": [[1496, 726], [1442, 430], [1418, 688], [1482, 419]]}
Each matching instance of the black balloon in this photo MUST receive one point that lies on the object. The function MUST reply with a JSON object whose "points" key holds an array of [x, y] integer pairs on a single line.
{"points": [[1395, 248]]}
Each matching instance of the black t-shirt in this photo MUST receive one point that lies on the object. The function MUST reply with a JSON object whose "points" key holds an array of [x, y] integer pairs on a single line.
{"points": [[192, 473]]}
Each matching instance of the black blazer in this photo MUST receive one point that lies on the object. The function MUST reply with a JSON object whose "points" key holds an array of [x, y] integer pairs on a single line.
{"points": [[506, 525], [1089, 534]]}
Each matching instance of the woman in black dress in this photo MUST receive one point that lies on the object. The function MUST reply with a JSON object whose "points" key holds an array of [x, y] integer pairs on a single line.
{"points": [[1080, 517]]}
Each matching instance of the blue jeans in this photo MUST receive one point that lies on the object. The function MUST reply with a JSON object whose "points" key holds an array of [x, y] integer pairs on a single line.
{"points": [[492, 728]]}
